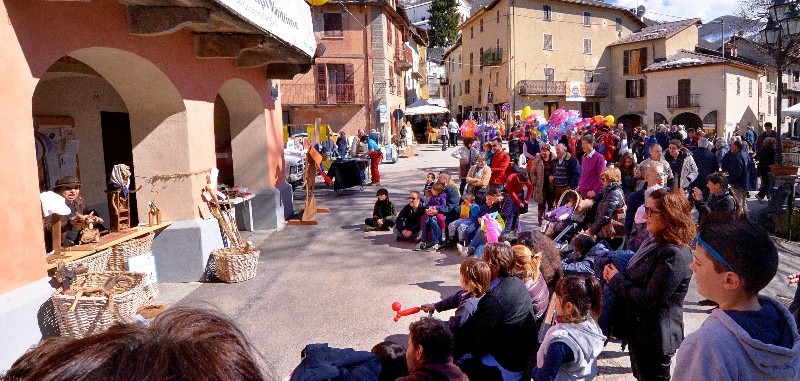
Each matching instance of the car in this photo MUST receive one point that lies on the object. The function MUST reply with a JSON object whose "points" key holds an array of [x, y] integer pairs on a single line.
{"points": [[294, 166]]}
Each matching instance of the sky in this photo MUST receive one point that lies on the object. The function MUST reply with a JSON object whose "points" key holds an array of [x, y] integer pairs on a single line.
{"points": [[707, 10]]}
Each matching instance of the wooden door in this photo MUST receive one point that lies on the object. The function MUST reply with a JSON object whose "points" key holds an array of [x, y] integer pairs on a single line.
{"points": [[684, 92]]}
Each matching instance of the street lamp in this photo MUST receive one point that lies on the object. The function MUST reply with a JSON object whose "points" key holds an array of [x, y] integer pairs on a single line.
{"points": [[783, 23]]}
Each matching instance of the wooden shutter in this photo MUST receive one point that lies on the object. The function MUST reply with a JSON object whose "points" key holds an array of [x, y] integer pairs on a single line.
{"points": [[641, 88], [322, 84], [642, 59], [684, 92], [626, 63]]}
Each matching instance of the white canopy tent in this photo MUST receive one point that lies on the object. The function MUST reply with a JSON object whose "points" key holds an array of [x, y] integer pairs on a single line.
{"points": [[422, 107], [793, 111]]}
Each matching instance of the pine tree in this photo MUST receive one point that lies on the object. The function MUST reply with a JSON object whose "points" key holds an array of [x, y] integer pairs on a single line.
{"points": [[443, 23]]}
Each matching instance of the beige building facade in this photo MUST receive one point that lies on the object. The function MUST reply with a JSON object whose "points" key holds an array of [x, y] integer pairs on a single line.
{"points": [[525, 53], [453, 61]]}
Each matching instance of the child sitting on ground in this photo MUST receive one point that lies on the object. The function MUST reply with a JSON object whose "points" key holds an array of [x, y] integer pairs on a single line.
{"points": [[570, 347], [432, 226], [526, 267], [383, 213], [475, 278], [429, 180], [462, 228], [750, 336], [584, 250]]}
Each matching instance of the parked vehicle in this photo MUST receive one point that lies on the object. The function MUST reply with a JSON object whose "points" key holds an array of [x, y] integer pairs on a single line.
{"points": [[295, 168]]}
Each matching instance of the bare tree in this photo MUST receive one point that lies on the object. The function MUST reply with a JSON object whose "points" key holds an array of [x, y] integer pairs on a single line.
{"points": [[754, 15]]}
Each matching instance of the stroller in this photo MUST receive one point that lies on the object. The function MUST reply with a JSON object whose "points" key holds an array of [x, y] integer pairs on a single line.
{"points": [[561, 223]]}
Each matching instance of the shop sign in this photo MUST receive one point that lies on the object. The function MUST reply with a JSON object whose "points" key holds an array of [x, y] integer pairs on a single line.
{"points": [[383, 112], [286, 19], [575, 91]]}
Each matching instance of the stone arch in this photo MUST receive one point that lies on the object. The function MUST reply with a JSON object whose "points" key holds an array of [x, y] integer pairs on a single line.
{"points": [[688, 120]]}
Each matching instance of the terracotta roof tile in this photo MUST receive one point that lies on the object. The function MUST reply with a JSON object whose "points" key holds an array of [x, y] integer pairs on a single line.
{"points": [[663, 30]]}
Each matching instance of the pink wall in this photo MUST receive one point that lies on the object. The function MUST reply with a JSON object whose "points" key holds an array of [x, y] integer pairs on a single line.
{"points": [[38, 33]]}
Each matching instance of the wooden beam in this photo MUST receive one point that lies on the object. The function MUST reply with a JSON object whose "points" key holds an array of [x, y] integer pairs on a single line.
{"points": [[153, 20], [259, 57], [224, 45]]}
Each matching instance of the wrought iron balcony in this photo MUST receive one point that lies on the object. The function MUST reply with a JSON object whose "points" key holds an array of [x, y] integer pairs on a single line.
{"points": [[322, 94], [538, 87], [678, 101], [492, 57]]}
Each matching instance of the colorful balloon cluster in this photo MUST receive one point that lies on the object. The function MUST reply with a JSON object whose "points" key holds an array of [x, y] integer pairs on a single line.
{"points": [[470, 129], [562, 121]]}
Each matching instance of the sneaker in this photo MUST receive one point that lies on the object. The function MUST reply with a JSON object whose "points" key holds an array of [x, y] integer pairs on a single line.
{"points": [[434, 248], [420, 246], [462, 251]]}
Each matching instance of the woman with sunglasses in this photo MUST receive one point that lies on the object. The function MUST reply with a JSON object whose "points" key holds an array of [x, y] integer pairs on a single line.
{"points": [[750, 336], [651, 291]]}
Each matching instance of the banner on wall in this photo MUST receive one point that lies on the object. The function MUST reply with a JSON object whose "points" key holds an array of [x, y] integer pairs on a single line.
{"points": [[576, 91], [286, 19]]}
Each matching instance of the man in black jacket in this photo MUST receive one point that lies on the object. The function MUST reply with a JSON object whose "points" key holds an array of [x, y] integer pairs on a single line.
{"points": [[501, 332], [407, 224], [720, 199]]}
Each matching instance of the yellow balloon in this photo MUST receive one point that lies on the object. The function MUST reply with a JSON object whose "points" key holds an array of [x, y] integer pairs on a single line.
{"points": [[316, 2], [610, 120], [526, 112]]}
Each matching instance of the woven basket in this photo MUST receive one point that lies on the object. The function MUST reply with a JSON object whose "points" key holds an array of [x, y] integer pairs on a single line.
{"points": [[96, 262], [118, 260], [235, 265], [92, 314], [149, 293]]}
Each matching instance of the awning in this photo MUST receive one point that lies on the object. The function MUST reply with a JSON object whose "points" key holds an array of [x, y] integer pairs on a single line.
{"points": [[426, 109], [792, 111]]}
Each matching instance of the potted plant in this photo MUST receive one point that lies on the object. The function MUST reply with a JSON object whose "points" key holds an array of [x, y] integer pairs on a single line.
{"points": [[781, 169]]}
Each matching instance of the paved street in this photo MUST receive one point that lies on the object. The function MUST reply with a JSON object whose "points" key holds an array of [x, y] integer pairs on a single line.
{"points": [[333, 283]]}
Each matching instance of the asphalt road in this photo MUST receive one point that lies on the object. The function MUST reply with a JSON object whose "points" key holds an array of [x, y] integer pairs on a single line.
{"points": [[334, 283]]}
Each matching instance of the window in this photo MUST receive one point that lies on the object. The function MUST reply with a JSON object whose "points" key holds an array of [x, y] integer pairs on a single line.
{"points": [[452, 90], [332, 25], [759, 90], [389, 34], [498, 17], [619, 24], [391, 82], [590, 108], [634, 88], [335, 83], [481, 25], [769, 105], [549, 74], [588, 76], [480, 90], [750, 89], [548, 41], [587, 46], [459, 89], [587, 19], [480, 56], [459, 61], [452, 65], [471, 32], [634, 61], [496, 79], [547, 12], [466, 87], [738, 85], [470, 66]]}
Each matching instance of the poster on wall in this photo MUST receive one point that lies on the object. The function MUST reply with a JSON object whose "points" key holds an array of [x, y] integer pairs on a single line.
{"points": [[56, 149], [145, 263], [575, 91]]}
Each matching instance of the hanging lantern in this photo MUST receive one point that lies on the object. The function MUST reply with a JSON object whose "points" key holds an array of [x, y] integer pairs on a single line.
{"points": [[316, 3]]}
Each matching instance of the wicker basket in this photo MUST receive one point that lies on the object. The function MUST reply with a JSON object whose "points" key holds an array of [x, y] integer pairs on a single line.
{"points": [[149, 293], [96, 262], [118, 260], [92, 314], [235, 264]]}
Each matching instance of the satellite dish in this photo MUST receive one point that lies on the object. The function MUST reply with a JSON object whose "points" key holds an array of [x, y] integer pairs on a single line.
{"points": [[640, 11]]}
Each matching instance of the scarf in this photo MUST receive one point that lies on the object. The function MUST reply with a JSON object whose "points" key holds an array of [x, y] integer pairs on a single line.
{"points": [[648, 246], [120, 176]]}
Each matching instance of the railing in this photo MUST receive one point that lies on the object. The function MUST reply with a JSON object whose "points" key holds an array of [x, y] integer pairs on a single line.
{"points": [[492, 57], [597, 89], [538, 87], [677, 101], [324, 94], [403, 57]]}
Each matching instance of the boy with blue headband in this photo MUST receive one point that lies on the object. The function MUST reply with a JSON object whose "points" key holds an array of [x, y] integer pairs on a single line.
{"points": [[750, 336]]}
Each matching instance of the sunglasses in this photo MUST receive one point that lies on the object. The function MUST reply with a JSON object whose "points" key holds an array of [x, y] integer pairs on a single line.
{"points": [[711, 251], [413, 198], [650, 211]]}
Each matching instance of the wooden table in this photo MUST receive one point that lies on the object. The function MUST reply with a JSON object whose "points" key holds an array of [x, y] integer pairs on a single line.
{"points": [[73, 253]]}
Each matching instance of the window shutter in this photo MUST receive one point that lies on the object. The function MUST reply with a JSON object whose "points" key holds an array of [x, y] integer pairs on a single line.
{"points": [[642, 59], [349, 88], [322, 87], [642, 91], [625, 63]]}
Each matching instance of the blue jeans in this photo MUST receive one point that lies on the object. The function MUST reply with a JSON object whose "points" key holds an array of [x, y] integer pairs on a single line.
{"points": [[478, 243], [461, 229], [431, 225], [463, 185], [399, 234]]}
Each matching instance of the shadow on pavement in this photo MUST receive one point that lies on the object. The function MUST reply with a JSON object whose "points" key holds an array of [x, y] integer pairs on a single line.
{"points": [[444, 291], [603, 369], [452, 258]]}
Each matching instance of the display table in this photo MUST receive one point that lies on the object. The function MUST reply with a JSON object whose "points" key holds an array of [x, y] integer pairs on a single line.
{"points": [[348, 173], [244, 213], [73, 253]]}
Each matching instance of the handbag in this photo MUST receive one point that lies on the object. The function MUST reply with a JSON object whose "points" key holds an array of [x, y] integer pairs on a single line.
{"points": [[616, 227]]}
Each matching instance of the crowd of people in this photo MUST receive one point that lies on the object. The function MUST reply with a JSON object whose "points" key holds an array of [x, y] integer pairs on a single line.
{"points": [[530, 308]]}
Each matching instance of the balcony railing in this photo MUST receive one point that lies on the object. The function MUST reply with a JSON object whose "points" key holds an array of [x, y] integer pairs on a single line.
{"points": [[597, 89], [403, 58], [538, 87], [492, 57], [322, 94], [678, 101]]}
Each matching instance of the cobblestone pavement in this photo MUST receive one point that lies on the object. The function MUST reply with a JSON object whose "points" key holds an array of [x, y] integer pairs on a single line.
{"points": [[333, 283]]}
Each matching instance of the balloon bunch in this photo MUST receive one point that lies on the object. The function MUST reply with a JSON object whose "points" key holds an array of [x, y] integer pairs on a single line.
{"points": [[562, 122], [471, 129]]}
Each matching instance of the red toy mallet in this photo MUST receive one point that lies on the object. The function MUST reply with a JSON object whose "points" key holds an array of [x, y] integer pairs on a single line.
{"points": [[396, 307]]}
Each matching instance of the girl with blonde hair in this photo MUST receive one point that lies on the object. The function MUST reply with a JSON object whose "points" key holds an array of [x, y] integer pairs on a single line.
{"points": [[526, 267]]}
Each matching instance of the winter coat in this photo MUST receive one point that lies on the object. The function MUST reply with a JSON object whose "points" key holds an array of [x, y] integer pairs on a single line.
{"points": [[408, 218], [572, 169], [499, 165], [540, 295], [706, 164], [717, 203], [651, 294], [436, 372], [765, 157], [741, 171], [324, 363], [384, 209], [514, 149], [539, 175], [605, 204], [687, 172], [502, 326], [722, 350], [464, 304], [479, 182]]}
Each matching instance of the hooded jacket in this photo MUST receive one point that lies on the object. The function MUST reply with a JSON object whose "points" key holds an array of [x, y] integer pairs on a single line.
{"points": [[585, 340], [722, 350], [684, 168], [324, 363], [606, 203]]}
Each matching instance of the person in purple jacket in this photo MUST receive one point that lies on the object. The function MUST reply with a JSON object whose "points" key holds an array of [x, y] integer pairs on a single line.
{"points": [[592, 164]]}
